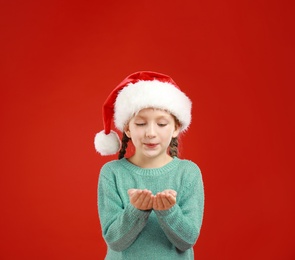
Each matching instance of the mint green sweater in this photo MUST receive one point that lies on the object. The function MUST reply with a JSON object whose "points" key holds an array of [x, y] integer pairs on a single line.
{"points": [[155, 235]]}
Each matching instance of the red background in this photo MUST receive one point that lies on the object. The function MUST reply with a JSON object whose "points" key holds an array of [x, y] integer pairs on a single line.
{"points": [[59, 61]]}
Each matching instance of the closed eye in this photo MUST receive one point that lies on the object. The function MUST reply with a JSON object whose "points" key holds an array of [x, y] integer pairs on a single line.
{"points": [[162, 125]]}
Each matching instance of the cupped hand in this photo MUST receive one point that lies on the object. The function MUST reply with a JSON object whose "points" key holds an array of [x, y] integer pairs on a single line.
{"points": [[141, 199], [164, 200]]}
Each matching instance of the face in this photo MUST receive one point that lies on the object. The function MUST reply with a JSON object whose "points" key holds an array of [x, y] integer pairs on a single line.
{"points": [[151, 131]]}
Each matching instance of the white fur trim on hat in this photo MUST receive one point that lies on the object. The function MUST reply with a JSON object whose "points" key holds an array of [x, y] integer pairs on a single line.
{"points": [[107, 144], [155, 94]]}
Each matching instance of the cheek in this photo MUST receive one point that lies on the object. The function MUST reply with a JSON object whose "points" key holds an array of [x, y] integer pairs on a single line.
{"points": [[135, 134], [167, 134]]}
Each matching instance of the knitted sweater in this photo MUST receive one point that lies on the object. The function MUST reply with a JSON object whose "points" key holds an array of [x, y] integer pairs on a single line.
{"points": [[153, 234]]}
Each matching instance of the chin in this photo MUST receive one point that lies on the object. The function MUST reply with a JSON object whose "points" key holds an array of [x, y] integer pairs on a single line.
{"points": [[154, 154]]}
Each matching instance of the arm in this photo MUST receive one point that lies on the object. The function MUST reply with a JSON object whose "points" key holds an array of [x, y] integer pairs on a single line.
{"points": [[182, 222], [120, 225]]}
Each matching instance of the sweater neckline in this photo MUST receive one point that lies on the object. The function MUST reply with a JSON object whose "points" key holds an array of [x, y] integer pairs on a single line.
{"points": [[150, 171]]}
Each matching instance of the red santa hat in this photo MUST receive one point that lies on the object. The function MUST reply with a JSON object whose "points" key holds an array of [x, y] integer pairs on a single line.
{"points": [[143, 89]]}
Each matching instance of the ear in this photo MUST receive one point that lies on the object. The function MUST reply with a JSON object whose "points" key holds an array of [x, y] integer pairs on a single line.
{"points": [[127, 131], [176, 131]]}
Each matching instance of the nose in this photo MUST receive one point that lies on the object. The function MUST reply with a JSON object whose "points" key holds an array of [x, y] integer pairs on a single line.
{"points": [[150, 131]]}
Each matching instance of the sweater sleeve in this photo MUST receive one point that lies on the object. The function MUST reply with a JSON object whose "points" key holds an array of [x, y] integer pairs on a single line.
{"points": [[182, 223], [120, 224]]}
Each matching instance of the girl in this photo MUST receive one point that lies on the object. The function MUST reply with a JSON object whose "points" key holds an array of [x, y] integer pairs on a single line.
{"points": [[150, 204]]}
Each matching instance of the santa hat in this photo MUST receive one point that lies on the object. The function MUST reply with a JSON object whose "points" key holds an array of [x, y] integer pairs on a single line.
{"points": [[140, 90]]}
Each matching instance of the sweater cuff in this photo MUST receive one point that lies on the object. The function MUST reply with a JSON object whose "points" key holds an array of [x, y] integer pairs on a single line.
{"points": [[164, 213], [138, 213]]}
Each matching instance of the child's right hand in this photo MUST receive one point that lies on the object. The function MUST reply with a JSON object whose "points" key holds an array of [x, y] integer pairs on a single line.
{"points": [[141, 199]]}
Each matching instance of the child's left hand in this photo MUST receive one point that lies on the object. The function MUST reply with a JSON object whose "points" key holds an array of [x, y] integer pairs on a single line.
{"points": [[164, 200]]}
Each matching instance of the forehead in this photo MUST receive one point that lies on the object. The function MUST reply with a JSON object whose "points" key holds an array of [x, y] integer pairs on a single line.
{"points": [[152, 112]]}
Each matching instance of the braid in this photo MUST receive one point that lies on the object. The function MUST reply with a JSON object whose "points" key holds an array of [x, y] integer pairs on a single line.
{"points": [[125, 140], [173, 147]]}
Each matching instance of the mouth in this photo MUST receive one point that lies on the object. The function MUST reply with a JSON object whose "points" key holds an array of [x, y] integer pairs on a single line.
{"points": [[150, 145]]}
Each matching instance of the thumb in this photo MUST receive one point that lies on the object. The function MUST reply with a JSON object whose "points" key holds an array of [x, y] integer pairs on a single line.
{"points": [[172, 192], [131, 191]]}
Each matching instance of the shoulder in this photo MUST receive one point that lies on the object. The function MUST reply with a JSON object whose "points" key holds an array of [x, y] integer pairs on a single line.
{"points": [[109, 172], [112, 167], [189, 166], [111, 164], [190, 170]]}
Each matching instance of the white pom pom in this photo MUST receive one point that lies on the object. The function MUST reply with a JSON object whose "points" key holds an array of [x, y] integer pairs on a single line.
{"points": [[107, 144]]}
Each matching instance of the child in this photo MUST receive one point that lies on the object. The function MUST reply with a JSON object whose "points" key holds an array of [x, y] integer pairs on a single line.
{"points": [[150, 204]]}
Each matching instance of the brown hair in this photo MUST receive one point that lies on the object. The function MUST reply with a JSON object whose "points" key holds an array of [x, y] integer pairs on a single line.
{"points": [[125, 140], [173, 147]]}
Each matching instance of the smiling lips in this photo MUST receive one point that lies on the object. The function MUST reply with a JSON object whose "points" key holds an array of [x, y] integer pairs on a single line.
{"points": [[150, 145]]}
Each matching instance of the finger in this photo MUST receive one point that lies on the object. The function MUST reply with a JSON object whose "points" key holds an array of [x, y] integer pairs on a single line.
{"points": [[159, 201], [166, 202], [171, 199], [172, 192], [145, 199], [135, 196], [155, 203], [131, 191], [150, 205]]}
